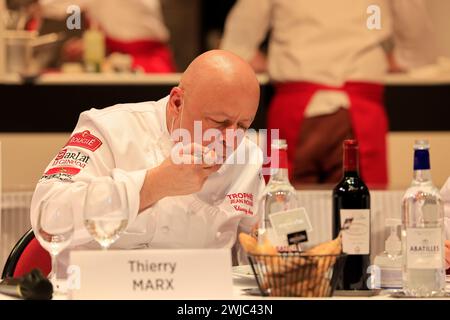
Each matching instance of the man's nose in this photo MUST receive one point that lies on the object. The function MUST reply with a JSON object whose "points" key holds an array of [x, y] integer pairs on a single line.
{"points": [[231, 128], [229, 133]]}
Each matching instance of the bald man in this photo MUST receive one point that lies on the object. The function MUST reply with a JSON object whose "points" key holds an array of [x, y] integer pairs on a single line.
{"points": [[192, 177]]}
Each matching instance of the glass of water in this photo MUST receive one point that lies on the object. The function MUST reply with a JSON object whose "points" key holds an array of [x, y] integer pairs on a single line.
{"points": [[55, 228], [106, 210]]}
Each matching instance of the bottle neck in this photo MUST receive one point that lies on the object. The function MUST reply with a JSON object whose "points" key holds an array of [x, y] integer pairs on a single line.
{"points": [[351, 161], [422, 176], [279, 175], [351, 174], [279, 166], [393, 245]]}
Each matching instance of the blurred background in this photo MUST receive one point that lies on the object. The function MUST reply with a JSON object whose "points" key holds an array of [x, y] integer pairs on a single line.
{"points": [[59, 58]]}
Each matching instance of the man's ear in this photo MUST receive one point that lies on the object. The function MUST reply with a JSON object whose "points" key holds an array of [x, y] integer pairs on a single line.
{"points": [[175, 100]]}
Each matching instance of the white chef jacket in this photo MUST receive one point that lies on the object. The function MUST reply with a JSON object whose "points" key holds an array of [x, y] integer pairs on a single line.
{"points": [[123, 142], [121, 20], [445, 193], [328, 42]]}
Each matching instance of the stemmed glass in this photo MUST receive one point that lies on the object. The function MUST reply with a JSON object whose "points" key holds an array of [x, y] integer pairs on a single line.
{"points": [[55, 229], [106, 210]]}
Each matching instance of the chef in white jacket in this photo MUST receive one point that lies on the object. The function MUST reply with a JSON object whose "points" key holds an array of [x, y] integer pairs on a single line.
{"points": [[445, 193], [171, 204], [133, 27], [327, 64]]}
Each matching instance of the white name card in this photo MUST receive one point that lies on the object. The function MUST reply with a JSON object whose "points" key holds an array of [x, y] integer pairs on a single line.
{"points": [[153, 274]]}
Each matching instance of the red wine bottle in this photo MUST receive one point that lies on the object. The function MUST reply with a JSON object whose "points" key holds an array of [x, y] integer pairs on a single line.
{"points": [[351, 214]]}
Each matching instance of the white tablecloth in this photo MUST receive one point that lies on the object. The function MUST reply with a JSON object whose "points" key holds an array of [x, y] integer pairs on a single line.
{"points": [[242, 284]]}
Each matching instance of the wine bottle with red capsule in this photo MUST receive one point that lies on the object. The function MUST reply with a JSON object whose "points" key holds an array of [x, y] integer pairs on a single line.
{"points": [[351, 216]]}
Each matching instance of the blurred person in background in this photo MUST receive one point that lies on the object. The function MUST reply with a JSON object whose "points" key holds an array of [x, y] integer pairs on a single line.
{"points": [[328, 64], [445, 193], [135, 28]]}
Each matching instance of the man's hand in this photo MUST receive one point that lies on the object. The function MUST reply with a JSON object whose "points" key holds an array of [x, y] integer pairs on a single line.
{"points": [[393, 66], [447, 253], [182, 173]]}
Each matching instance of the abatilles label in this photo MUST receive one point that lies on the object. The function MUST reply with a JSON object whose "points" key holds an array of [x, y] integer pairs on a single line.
{"points": [[424, 248]]}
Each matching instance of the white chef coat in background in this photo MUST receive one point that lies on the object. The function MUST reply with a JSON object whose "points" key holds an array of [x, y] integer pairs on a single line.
{"points": [[328, 42], [135, 138], [445, 193], [121, 20]]}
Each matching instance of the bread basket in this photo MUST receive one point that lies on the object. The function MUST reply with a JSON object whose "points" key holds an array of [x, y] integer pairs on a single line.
{"points": [[297, 274]]}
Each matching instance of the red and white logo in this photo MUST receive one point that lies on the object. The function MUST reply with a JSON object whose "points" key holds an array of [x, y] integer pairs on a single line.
{"points": [[60, 154], [65, 170], [65, 158], [242, 202], [84, 140]]}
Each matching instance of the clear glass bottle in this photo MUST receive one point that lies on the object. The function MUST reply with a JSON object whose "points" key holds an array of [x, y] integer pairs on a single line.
{"points": [[279, 195], [390, 260], [94, 48], [423, 231]]}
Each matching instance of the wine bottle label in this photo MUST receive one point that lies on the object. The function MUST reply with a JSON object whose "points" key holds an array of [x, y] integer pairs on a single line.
{"points": [[355, 225], [424, 248]]}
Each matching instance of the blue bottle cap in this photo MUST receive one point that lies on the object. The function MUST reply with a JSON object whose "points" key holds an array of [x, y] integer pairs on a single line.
{"points": [[421, 155]]}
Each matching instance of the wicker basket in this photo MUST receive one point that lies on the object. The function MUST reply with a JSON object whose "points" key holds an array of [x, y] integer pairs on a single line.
{"points": [[297, 275]]}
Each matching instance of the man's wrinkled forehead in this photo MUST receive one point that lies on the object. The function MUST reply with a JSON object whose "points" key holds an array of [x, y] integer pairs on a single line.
{"points": [[237, 115], [223, 103]]}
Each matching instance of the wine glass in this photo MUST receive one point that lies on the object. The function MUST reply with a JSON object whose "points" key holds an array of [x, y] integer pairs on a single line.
{"points": [[55, 229], [106, 210]]}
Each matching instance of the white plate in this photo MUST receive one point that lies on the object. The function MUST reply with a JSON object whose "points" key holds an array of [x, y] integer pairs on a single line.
{"points": [[243, 271]]}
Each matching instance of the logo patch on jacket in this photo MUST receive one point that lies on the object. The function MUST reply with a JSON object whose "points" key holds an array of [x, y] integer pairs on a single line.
{"points": [[65, 158], [84, 140], [65, 165], [60, 173], [242, 202]]}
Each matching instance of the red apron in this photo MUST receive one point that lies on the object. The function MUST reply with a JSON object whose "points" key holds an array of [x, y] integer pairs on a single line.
{"points": [[367, 114], [151, 56]]}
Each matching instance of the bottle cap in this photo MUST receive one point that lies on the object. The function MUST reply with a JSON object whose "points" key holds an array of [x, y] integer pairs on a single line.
{"points": [[421, 144], [421, 155], [351, 143], [351, 155], [279, 144], [279, 158]]}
